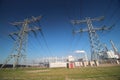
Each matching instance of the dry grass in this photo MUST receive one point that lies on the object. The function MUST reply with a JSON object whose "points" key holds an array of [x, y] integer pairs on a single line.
{"points": [[84, 73]]}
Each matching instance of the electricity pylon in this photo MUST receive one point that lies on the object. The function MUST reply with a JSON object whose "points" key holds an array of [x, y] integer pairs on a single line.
{"points": [[96, 46], [19, 49]]}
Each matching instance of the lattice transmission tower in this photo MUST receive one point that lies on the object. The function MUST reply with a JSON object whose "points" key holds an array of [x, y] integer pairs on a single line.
{"points": [[97, 49], [19, 49]]}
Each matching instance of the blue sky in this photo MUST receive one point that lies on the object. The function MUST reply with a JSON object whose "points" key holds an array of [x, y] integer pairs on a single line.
{"points": [[56, 25]]}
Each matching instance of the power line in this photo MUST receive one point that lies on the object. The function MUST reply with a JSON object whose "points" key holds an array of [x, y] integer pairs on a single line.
{"points": [[42, 36], [107, 8], [113, 14], [45, 42]]}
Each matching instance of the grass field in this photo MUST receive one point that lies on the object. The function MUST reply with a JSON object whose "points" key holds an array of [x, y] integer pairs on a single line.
{"points": [[84, 73]]}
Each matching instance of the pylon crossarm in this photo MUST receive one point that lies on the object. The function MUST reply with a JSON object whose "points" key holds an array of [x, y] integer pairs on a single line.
{"points": [[81, 30], [74, 22], [17, 23], [98, 19]]}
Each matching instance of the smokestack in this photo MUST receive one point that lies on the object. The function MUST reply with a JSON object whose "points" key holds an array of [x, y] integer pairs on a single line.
{"points": [[114, 48]]}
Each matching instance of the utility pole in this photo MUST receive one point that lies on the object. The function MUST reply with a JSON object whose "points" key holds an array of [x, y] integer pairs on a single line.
{"points": [[19, 50], [96, 46]]}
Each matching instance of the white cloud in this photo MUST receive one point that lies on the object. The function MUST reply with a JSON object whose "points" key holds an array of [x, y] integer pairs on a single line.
{"points": [[79, 51]]}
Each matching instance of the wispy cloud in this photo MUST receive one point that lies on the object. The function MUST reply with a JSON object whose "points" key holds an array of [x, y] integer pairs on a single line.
{"points": [[79, 51]]}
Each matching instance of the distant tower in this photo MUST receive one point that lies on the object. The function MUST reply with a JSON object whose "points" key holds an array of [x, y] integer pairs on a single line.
{"points": [[96, 46], [19, 49]]}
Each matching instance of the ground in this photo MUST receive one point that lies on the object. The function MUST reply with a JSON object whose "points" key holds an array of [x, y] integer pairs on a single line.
{"points": [[83, 73]]}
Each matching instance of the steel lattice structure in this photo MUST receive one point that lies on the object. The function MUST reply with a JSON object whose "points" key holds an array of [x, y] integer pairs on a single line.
{"points": [[97, 49], [19, 50]]}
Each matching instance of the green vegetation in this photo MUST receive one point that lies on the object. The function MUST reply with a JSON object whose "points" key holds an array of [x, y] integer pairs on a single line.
{"points": [[84, 73]]}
